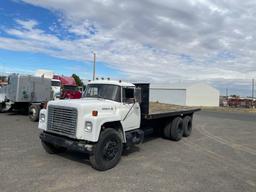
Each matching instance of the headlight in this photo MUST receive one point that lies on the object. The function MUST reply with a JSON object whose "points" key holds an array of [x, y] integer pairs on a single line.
{"points": [[88, 126], [42, 117]]}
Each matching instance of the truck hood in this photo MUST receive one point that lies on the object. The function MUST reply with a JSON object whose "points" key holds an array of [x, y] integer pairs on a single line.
{"points": [[88, 104]]}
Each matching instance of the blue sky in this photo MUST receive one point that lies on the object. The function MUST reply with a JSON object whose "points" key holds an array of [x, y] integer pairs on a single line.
{"points": [[150, 41], [29, 62]]}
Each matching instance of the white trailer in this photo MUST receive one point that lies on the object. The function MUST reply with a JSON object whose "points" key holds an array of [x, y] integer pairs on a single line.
{"points": [[27, 93]]}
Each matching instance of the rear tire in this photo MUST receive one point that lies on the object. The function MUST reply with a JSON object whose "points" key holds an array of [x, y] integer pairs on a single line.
{"points": [[34, 112], [52, 149], [167, 130], [177, 129], [187, 126], [107, 152]]}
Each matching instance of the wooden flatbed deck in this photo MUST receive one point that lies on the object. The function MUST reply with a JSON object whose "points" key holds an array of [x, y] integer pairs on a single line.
{"points": [[158, 110]]}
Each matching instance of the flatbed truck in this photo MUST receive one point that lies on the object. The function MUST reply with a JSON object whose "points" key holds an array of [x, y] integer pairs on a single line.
{"points": [[112, 116]]}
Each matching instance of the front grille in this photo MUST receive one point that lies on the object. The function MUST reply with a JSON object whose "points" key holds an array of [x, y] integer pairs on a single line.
{"points": [[62, 120]]}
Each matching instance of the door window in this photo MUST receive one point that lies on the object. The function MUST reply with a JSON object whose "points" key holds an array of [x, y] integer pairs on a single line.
{"points": [[128, 95]]}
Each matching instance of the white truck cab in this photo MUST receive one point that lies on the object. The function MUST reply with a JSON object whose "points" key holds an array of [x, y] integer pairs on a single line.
{"points": [[104, 101], [105, 104], [56, 88]]}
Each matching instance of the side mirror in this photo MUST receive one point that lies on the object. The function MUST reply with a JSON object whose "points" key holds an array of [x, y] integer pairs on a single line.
{"points": [[137, 95]]}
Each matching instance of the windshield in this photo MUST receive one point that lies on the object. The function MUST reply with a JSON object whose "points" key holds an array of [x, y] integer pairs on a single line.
{"points": [[111, 92], [70, 88], [56, 83]]}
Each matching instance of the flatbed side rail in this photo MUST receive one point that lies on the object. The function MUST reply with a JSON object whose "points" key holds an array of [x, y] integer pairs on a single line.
{"points": [[157, 115]]}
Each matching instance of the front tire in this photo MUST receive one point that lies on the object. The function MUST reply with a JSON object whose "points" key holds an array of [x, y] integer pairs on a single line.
{"points": [[107, 152], [52, 149]]}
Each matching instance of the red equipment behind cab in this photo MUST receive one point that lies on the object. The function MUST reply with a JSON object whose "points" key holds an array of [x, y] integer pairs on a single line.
{"points": [[69, 88]]}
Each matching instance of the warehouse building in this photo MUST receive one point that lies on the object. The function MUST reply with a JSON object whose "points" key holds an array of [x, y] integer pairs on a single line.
{"points": [[199, 94]]}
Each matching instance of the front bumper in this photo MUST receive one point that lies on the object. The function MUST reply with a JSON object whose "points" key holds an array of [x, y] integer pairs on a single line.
{"points": [[66, 142]]}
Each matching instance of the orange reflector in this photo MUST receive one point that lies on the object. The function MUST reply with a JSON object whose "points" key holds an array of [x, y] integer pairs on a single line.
{"points": [[95, 113]]}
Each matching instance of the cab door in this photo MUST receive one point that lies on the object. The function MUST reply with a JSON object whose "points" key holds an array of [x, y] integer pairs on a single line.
{"points": [[130, 109]]}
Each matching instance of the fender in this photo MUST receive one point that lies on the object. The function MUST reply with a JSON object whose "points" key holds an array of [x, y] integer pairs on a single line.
{"points": [[107, 119]]}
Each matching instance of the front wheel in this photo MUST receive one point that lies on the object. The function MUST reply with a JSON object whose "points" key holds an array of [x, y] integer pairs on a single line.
{"points": [[107, 152]]}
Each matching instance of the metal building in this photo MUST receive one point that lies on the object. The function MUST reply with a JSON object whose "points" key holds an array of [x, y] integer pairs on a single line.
{"points": [[198, 94]]}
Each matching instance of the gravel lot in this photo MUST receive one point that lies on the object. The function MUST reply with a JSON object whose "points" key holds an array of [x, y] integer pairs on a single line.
{"points": [[220, 155]]}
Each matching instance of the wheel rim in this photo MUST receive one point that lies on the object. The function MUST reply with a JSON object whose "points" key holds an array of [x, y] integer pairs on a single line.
{"points": [[110, 149]]}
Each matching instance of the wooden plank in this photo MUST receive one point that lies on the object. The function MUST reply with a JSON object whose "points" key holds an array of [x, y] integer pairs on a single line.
{"points": [[156, 107]]}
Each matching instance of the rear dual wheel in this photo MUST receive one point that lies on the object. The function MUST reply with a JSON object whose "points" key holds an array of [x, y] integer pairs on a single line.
{"points": [[187, 126], [174, 129], [177, 128]]}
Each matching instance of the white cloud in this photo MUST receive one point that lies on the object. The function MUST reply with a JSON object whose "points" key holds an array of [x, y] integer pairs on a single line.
{"points": [[27, 24], [150, 40]]}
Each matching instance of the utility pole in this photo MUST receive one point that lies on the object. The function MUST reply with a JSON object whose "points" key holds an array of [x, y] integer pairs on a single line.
{"points": [[227, 93], [252, 91], [94, 65]]}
